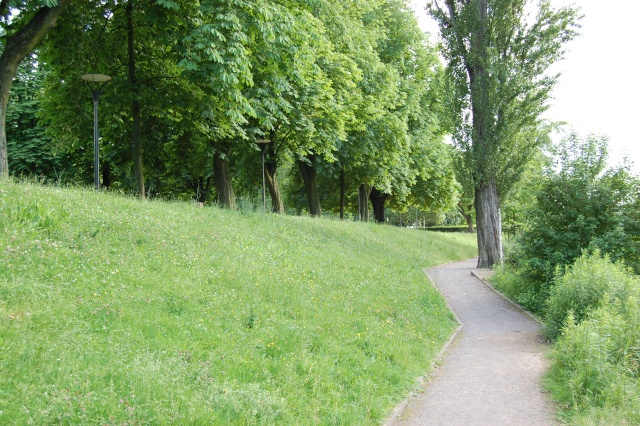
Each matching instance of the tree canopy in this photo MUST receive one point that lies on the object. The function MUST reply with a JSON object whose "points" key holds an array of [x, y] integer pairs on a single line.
{"points": [[348, 94]]}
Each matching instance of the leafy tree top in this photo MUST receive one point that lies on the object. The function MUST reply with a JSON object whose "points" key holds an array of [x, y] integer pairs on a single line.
{"points": [[498, 58]]}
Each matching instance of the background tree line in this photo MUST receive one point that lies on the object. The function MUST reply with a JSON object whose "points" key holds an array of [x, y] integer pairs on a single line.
{"points": [[353, 98], [350, 96]]}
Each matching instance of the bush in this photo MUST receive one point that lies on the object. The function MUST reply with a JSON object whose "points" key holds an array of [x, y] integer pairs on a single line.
{"points": [[517, 285], [595, 372], [590, 282], [581, 206], [596, 360], [448, 228]]}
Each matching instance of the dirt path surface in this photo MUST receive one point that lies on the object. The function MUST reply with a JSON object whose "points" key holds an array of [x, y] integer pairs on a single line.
{"points": [[491, 373]]}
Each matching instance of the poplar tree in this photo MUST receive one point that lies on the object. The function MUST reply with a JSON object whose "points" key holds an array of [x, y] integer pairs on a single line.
{"points": [[498, 59]]}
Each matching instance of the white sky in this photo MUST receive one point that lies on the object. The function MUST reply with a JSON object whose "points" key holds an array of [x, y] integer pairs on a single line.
{"points": [[599, 89]]}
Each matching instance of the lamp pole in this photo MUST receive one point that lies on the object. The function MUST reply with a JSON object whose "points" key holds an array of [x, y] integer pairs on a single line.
{"points": [[262, 143], [96, 78]]}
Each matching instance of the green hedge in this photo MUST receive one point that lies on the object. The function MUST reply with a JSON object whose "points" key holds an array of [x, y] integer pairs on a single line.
{"points": [[447, 229]]}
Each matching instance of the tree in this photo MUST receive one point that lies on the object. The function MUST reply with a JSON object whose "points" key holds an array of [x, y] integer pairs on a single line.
{"points": [[581, 206], [23, 25], [310, 126], [522, 195], [392, 117], [152, 119], [136, 107], [261, 63], [497, 63], [31, 151]]}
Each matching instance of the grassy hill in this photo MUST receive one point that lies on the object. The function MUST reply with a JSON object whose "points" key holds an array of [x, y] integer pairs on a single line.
{"points": [[116, 311]]}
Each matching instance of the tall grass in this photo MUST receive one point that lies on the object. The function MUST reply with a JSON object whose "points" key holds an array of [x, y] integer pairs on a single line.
{"points": [[115, 311], [596, 361]]}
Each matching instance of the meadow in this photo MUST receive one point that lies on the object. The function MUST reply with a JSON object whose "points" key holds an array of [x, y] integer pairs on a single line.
{"points": [[117, 311]]}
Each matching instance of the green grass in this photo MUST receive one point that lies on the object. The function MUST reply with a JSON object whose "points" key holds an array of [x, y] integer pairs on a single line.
{"points": [[521, 288], [116, 311]]}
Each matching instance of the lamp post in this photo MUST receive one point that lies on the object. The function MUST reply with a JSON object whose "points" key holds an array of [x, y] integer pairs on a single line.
{"points": [[262, 143], [96, 78]]}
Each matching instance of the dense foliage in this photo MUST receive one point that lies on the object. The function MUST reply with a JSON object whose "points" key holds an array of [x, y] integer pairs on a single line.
{"points": [[595, 373], [581, 206], [589, 283], [576, 265], [32, 152], [349, 95]]}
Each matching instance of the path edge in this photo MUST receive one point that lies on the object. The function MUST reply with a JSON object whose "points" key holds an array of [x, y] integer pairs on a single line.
{"points": [[400, 408], [511, 301]]}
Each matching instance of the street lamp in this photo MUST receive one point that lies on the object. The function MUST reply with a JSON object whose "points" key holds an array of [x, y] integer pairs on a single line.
{"points": [[262, 143], [96, 78]]}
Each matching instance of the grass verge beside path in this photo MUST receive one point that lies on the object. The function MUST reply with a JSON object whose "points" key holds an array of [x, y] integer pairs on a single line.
{"points": [[115, 311]]}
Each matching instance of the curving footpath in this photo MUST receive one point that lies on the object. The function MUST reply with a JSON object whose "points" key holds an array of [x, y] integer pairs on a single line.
{"points": [[492, 370]]}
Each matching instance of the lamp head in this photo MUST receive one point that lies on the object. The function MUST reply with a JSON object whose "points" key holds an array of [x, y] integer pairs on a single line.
{"points": [[96, 78]]}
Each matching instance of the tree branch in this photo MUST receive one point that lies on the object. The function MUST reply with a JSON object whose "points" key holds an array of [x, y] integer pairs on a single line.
{"points": [[20, 44]]}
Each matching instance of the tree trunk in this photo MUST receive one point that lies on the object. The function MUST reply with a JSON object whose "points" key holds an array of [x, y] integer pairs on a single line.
{"points": [[271, 176], [469, 220], [489, 225], [466, 214], [311, 185], [16, 47], [136, 133], [363, 202], [342, 193], [224, 186], [377, 201], [106, 175]]}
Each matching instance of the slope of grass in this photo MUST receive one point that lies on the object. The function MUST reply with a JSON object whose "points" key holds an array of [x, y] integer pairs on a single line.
{"points": [[115, 311]]}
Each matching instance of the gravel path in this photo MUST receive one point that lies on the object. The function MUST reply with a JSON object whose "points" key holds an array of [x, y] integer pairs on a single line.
{"points": [[491, 374]]}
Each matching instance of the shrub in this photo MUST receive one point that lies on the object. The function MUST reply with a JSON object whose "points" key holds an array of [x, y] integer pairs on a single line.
{"points": [[525, 290], [583, 289], [595, 371], [579, 206]]}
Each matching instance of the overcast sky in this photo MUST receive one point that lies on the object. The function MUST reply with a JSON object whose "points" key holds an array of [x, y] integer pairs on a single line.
{"points": [[599, 90]]}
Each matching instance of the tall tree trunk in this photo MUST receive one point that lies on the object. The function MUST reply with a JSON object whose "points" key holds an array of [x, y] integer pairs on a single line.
{"points": [[378, 199], [271, 178], [136, 132], [342, 192], [469, 220], [489, 225], [106, 175], [16, 47], [363, 202], [311, 185], [487, 201], [466, 214], [224, 185]]}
